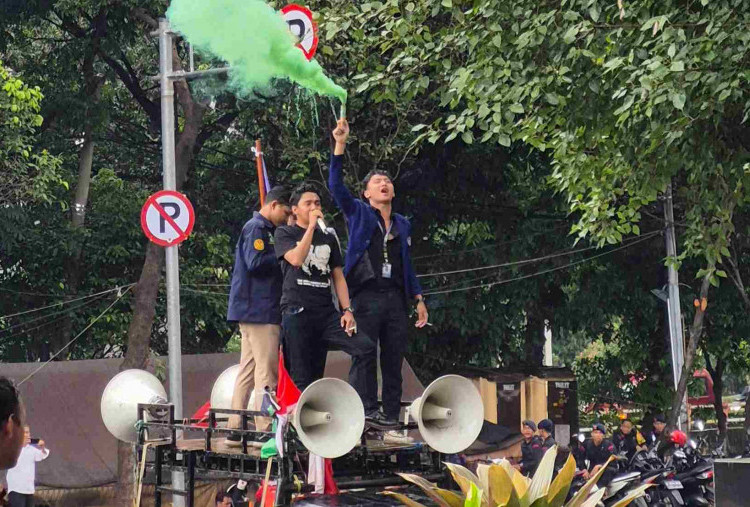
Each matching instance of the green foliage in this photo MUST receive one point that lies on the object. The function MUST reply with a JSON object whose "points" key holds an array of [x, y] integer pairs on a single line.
{"points": [[27, 173]]}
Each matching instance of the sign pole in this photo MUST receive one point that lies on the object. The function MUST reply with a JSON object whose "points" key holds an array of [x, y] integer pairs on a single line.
{"points": [[673, 305], [172, 257]]}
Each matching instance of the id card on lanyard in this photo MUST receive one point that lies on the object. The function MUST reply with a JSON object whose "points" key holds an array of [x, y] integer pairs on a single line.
{"points": [[387, 267]]}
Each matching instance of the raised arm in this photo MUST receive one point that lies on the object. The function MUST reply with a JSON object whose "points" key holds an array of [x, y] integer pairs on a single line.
{"points": [[344, 199]]}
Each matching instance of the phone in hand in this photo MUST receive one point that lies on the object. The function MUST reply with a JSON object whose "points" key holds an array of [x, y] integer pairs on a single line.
{"points": [[34, 441]]}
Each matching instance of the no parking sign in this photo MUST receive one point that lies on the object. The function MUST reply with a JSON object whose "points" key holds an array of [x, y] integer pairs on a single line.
{"points": [[302, 26], [167, 218]]}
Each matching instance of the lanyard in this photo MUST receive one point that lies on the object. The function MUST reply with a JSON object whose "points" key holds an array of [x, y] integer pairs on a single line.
{"points": [[385, 240]]}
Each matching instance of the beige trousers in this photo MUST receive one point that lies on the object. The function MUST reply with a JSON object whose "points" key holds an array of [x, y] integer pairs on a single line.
{"points": [[259, 364]]}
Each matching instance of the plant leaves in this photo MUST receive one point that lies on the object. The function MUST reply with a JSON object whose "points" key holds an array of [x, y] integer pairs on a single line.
{"points": [[542, 477], [580, 496], [635, 493], [403, 499], [558, 490]]}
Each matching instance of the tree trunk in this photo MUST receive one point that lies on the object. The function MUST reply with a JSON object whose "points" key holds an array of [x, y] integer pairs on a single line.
{"points": [[717, 375], [696, 330], [73, 262]]}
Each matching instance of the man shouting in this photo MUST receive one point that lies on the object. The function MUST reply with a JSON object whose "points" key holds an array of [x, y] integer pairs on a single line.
{"points": [[379, 271]]}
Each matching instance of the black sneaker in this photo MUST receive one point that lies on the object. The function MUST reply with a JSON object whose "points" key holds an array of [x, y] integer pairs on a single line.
{"points": [[233, 441], [378, 418]]}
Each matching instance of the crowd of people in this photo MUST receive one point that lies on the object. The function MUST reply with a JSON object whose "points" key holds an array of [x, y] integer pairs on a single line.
{"points": [[292, 287], [594, 452]]}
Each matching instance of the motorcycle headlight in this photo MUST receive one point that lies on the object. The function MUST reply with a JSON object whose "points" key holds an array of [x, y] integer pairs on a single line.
{"points": [[693, 444]]}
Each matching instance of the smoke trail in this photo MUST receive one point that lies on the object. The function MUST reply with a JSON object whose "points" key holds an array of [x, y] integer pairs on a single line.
{"points": [[253, 39]]}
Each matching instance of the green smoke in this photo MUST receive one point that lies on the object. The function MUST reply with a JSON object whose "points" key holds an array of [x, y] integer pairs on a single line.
{"points": [[253, 39]]}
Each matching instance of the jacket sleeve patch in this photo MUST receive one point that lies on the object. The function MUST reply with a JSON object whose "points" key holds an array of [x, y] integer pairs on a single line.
{"points": [[259, 245]]}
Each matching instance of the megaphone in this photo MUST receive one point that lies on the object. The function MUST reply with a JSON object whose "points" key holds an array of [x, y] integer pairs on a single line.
{"points": [[449, 413], [329, 418], [121, 397], [223, 389]]}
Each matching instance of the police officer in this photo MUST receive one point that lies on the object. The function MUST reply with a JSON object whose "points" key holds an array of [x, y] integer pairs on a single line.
{"points": [[546, 428], [658, 433], [628, 439], [598, 451], [254, 303], [531, 449]]}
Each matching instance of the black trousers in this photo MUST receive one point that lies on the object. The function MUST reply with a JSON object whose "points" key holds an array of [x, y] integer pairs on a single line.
{"points": [[308, 335], [383, 316], [20, 500]]}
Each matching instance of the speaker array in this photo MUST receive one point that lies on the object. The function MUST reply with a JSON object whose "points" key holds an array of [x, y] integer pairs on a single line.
{"points": [[329, 417]]}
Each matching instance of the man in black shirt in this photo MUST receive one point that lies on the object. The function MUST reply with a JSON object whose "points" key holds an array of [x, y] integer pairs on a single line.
{"points": [[310, 262], [531, 449], [546, 428], [628, 439], [598, 451]]}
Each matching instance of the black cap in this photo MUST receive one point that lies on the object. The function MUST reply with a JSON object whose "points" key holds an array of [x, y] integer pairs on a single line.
{"points": [[546, 425], [530, 424], [599, 427], [660, 418]]}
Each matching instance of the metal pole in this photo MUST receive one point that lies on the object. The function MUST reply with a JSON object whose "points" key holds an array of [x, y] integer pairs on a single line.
{"points": [[172, 257], [673, 303]]}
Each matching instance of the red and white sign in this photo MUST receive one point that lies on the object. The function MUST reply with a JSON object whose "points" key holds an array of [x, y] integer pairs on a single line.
{"points": [[167, 218], [302, 26]]}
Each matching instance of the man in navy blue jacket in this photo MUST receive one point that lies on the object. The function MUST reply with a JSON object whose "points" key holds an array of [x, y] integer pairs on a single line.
{"points": [[254, 302], [378, 271]]}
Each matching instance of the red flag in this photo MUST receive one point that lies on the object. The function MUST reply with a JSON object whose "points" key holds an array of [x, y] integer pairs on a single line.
{"points": [[330, 485], [287, 393], [202, 415]]}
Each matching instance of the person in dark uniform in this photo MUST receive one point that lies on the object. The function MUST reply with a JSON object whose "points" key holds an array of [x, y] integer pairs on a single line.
{"points": [[659, 433], [546, 428], [311, 264], [598, 451], [379, 272], [254, 304], [628, 439], [531, 449]]}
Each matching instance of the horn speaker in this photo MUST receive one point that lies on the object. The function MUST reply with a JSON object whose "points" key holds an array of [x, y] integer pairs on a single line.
{"points": [[329, 418], [121, 397], [449, 413]]}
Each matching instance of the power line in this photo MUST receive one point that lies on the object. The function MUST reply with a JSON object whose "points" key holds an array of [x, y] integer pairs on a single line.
{"points": [[118, 288], [560, 253], [486, 247], [118, 298], [69, 310], [501, 282]]}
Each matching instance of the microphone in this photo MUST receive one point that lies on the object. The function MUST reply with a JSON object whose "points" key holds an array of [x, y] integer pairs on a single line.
{"points": [[322, 225]]}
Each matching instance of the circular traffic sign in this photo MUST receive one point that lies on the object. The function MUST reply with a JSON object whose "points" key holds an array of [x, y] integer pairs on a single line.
{"points": [[302, 26], [167, 218]]}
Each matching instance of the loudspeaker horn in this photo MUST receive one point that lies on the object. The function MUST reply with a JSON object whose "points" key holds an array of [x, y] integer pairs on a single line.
{"points": [[223, 389], [329, 418], [449, 413], [121, 397]]}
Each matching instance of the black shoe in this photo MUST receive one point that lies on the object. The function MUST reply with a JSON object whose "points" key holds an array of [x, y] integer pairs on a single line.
{"points": [[378, 418], [233, 441]]}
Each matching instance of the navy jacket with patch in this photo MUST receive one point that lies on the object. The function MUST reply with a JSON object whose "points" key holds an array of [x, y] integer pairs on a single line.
{"points": [[256, 279], [361, 220]]}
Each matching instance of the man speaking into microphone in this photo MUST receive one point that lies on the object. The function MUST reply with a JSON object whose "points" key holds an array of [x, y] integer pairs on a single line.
{"points": [[310, 263], [379, 271]]}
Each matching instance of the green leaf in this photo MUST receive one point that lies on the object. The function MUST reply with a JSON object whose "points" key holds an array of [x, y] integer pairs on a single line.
{"points": [[447, 3], [516, 108], [503, 139], [678, 100], [570, 34], [721, 273], [677, 66], [467, 137], [594, 12], [417, 128]]}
